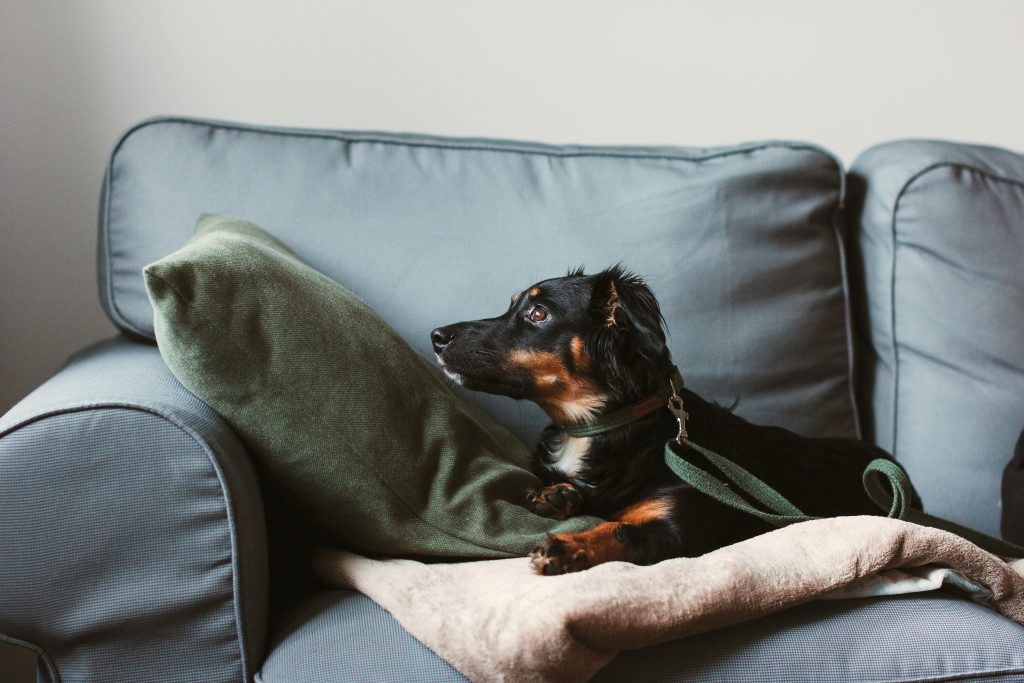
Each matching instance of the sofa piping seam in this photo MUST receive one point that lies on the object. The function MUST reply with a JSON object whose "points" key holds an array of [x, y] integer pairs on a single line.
{"points": [[485, 144], [226, 497]]}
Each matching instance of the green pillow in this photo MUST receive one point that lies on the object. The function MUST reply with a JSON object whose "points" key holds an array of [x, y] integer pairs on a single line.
{"points": [[359, 433]]}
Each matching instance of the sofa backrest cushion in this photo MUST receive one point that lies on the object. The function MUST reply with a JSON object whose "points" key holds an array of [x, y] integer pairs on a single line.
{"points": [[741, 244], [936, 261]]}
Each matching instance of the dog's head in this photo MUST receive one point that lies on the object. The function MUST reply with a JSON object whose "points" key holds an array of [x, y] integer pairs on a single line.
{"points": [[575, 345]]}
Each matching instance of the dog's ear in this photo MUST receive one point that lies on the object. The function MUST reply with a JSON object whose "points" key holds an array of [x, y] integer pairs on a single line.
{"points": [[627, 337]]}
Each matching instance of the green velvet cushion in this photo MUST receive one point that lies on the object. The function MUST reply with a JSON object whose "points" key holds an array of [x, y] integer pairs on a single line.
{"points": [[361, 434]]}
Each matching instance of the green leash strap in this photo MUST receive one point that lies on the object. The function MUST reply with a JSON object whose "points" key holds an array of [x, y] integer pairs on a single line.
{"points": [[900, 501], [780, 512], [899, 484]]}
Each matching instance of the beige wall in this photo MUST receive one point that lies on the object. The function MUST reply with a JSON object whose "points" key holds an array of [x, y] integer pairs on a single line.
{"points": [[73, 75]]}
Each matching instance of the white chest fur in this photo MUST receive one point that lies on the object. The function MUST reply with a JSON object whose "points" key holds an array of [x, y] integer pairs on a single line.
{"points": [[569, 455]]}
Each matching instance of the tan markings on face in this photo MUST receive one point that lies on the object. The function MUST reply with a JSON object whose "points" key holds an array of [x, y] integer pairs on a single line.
{"points": [[515, 297], [613, 305], [534, 291], [579, 354], [649, 510], [563, 396]]}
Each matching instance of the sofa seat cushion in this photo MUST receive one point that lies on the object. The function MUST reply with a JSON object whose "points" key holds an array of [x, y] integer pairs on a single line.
{"points": [[741, 244], [344, 636]]}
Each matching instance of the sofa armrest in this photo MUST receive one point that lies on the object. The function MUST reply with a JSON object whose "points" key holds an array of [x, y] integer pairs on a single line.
{"points": [[132, 537]]}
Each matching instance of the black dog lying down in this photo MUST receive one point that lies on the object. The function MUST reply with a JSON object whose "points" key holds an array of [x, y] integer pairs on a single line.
{"points": [[582, 346]]}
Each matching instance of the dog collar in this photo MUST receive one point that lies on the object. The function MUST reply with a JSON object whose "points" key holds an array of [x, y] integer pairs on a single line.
{"points": [[668, 397]]}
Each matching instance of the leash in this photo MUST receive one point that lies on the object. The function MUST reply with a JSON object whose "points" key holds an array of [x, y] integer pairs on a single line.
{"points": [[781, 512], [775, 508]]}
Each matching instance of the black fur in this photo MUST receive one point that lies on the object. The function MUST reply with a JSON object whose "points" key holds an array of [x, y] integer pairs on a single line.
{"points": [[614, 317]]}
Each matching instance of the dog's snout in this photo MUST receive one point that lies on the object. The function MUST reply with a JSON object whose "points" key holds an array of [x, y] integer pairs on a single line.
{"points": [[441, 337]]}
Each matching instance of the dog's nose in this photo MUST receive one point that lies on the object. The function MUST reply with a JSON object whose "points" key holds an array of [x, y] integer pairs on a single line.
{"points": [[441, 338]]}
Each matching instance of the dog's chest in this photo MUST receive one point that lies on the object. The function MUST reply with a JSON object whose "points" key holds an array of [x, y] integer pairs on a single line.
{"points": [[568, 455]]}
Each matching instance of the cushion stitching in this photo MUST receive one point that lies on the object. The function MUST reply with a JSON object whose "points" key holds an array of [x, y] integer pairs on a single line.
{"points": [[897, 205], [226, 497], [352, 138], [106, 283]]}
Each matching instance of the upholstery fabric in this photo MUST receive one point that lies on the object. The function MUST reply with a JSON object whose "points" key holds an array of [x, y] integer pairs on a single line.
{"points": [[937, 245], [131, 527], [890, 639], [740, 244], [354, 429]]}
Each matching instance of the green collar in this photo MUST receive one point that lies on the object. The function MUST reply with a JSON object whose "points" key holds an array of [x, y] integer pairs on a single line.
{"points": [[667, 397]]}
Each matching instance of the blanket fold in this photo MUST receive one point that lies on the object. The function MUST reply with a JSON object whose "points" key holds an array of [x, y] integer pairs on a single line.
{"points": [[497, 621]]}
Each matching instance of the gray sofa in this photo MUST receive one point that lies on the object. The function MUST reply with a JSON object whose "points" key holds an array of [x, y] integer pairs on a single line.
{"points": [[885, 302]]}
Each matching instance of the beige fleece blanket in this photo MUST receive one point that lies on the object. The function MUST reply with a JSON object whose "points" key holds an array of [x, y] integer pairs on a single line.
{"points": [[498, 621]]}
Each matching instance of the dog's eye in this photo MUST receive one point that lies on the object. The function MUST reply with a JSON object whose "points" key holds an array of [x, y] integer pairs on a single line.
{"points": [[537, 314]]}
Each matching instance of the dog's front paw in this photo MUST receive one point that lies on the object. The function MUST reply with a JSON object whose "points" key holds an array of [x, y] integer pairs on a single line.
{"points": [[556, 501], [556, 555], [567, 553]]}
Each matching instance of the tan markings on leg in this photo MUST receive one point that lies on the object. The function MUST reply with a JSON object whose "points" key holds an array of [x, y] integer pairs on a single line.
{"points": [[562, 395], [575, 552], [601, 544], [649, 510]]}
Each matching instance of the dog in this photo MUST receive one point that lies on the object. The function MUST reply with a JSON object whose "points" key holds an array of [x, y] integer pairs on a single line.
{"points": [[584, 346]]}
